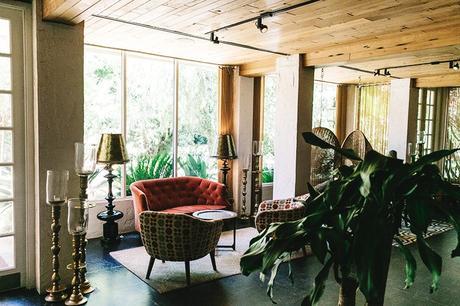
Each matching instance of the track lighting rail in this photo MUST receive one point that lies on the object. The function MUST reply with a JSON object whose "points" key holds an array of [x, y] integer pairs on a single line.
{"points": [[263, 15], [213, 38]]}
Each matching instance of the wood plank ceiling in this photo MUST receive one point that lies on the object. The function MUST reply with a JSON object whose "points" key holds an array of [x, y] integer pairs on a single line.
{"points": [[361, 34]]}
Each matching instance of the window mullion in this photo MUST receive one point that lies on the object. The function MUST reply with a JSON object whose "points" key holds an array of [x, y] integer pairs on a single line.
{"points": [[175, 115], [123, 116]]}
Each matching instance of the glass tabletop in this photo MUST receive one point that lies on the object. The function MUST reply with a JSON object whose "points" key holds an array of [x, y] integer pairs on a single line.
{"points": [[210, 214]]}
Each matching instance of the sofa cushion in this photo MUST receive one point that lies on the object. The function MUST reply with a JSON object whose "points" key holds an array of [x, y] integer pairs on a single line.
{"points": [[190, 209]]}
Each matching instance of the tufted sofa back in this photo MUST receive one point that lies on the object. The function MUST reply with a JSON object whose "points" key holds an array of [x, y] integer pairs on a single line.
{"points": [[161, 194]]}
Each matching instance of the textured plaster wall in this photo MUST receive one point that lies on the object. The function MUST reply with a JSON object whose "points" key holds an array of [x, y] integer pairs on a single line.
{"points": [[58, 103], [402, 116], [293, 116], [243, 136]]}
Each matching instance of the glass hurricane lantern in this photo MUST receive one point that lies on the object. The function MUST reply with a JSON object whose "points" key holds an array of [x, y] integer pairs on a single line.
{"points": [[56, 196], [85, 164], [77, 225]]}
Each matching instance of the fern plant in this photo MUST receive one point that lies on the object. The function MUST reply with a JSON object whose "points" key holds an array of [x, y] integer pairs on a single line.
{"points": [[149, 167]]}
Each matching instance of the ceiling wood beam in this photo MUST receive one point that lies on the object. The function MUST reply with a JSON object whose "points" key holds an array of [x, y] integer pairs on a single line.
{"points": [[447, 80], [383, 47], [258, 68], [53, 9]]}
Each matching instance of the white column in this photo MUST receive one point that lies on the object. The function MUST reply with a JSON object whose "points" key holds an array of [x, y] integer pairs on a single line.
{"points": [[402, 116], [293, 117], [244, 93]]}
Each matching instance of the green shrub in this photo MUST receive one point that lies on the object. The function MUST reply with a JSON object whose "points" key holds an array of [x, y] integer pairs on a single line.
{"points": [[267, 175], [194, 166], [149, 167]]}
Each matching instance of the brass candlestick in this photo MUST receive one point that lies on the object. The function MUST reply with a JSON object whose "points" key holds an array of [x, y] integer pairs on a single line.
{"points": [[257, 187], [85, 164], [76, 298], [244, 193], [85, 284], [56, 293]]}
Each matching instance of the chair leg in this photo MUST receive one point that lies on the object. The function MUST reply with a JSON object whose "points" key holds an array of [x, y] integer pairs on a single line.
{"points": [[213, 260], [149, 269], [187, 272]]}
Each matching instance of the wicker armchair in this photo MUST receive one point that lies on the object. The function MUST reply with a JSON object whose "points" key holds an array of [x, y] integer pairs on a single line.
{"points": [[178, 237], [358, 142], [323, 162]]}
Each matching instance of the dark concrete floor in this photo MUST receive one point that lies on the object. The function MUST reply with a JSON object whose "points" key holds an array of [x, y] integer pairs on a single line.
{"points": [[118, 286]]}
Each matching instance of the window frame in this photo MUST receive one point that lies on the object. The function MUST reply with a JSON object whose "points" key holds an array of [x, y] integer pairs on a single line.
{"points": [[175, 62]]}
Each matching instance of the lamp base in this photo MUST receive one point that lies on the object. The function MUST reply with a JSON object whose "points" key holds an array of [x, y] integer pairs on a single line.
{"points": [[110, 228]]}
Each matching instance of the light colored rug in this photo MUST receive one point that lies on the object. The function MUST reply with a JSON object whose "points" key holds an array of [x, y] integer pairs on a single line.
{"points": [[169, 276]]}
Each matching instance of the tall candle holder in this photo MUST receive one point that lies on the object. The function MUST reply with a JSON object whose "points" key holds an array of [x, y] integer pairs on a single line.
{"points": [[244, 182], [56, 196], [256, 153], [77, 224], [85, 164]]}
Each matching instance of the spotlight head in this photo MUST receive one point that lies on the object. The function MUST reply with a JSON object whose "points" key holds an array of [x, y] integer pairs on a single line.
{"points": [[456, 66], [453, 65], [386, 72], [262, 27], [213, 37], [376, 72]]}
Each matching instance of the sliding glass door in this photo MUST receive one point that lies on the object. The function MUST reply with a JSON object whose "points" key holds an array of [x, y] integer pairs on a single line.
{"points": [[12, 191]]}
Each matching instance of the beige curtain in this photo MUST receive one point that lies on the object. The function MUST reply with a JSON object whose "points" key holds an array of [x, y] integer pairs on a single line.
{"points": [[373, 114], [226, 111], [341, 112]]}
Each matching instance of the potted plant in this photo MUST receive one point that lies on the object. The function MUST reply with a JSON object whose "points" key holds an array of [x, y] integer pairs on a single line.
{"points": [[351, 225]]}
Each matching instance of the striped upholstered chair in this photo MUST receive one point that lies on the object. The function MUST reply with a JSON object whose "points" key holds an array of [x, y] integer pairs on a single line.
{"points": [[178, 237]]}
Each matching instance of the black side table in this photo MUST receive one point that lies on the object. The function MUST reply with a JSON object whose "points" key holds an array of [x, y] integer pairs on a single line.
{"points": [[218, 214]]}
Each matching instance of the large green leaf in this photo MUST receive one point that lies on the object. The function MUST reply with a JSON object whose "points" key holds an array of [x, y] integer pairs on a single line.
{"points": [[319, 285], [431, 260], [411, 264], [314, 140], [430, 158]]}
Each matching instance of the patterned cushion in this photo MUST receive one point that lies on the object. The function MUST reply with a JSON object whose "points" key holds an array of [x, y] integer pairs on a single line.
{"points": [[279, 211], [178, 237]]}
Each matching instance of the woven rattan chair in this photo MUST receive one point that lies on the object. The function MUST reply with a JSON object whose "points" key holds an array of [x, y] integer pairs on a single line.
{"points": [[323, 162], [358, 142]]}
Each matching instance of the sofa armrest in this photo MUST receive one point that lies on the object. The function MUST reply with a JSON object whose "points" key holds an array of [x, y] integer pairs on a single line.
{"points": [[139, 204]]}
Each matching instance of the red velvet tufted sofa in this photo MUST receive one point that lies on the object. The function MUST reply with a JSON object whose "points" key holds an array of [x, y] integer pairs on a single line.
{"points": [[181, 195]]}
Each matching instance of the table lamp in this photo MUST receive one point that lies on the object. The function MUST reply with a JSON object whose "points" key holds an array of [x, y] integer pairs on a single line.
{"points": [[225, 151], [111, 151]]}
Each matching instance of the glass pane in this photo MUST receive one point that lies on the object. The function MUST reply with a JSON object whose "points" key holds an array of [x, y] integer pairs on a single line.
{"points": [[5, 110], [6, 182], [5, 36], [5, 73], [7, 253], [452, 162], [271, 84], [197, 122], [6, 218], [6, 146], [150, 104], [324, 101], [103, 109]]}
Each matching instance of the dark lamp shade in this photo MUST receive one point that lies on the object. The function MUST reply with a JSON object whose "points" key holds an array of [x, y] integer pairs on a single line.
{"points": [[112, 150], [226, 147]]}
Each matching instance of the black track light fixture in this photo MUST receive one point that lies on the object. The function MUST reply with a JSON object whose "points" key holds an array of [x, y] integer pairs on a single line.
{"points": [[262, 27], [213, 37], [386, 72], [377, 72], [454, 65]]}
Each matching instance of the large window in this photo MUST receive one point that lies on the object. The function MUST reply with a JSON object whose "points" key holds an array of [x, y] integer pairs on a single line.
{"points": [[268, 159], [167, 110], [452, 166], [324, 105], [373, 114], [427, 105]]}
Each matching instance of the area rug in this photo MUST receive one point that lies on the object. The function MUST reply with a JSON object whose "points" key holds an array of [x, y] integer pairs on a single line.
{"points": [[169, 276], [436, 228]]}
